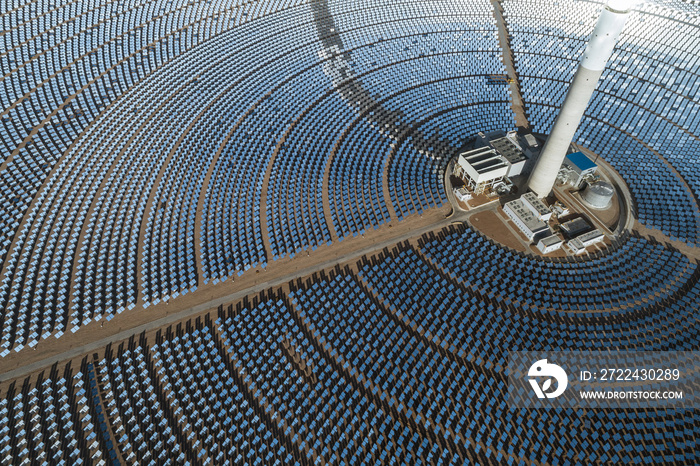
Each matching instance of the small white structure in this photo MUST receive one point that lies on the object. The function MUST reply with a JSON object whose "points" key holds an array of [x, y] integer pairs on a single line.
{"points": [[579, 244], [503, 187], [536, 206], [549, 244], [462, 194], [575, 247], [560, 210], [525, 220], [580, 167], [531, 141]]}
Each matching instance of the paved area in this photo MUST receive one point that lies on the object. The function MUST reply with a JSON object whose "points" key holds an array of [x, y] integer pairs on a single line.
{"points": [[492, 222]]}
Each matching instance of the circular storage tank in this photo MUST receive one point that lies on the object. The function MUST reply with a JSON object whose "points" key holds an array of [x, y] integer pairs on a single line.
{"points": [[598, 195]]}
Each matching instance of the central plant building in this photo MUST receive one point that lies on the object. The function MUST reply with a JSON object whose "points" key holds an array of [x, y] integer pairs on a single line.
{"points": [[481, 168], [527, 222], [496, 157]]}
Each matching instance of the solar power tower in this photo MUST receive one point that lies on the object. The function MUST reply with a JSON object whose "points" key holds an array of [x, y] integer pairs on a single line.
{"points": [[598, 51]]}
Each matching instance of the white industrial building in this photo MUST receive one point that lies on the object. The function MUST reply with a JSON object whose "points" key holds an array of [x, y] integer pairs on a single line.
{"points": [[579, 244], [576, 168], [536, 206], [550, 244], [508, 147], [525, 220], [496, 157], [481, 168]]}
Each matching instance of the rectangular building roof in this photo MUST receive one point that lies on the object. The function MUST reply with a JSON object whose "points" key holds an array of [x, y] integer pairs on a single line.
{"points": [[575, 226], [508, 149], [480, 156], [581, 162], [536, 204], [531, 141], [551, 240], [590, 236], [526, 216], [488, 164], [483, 164]]}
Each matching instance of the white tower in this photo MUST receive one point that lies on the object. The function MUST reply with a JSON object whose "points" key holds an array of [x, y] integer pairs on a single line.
{"points": [[600, 47]]}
